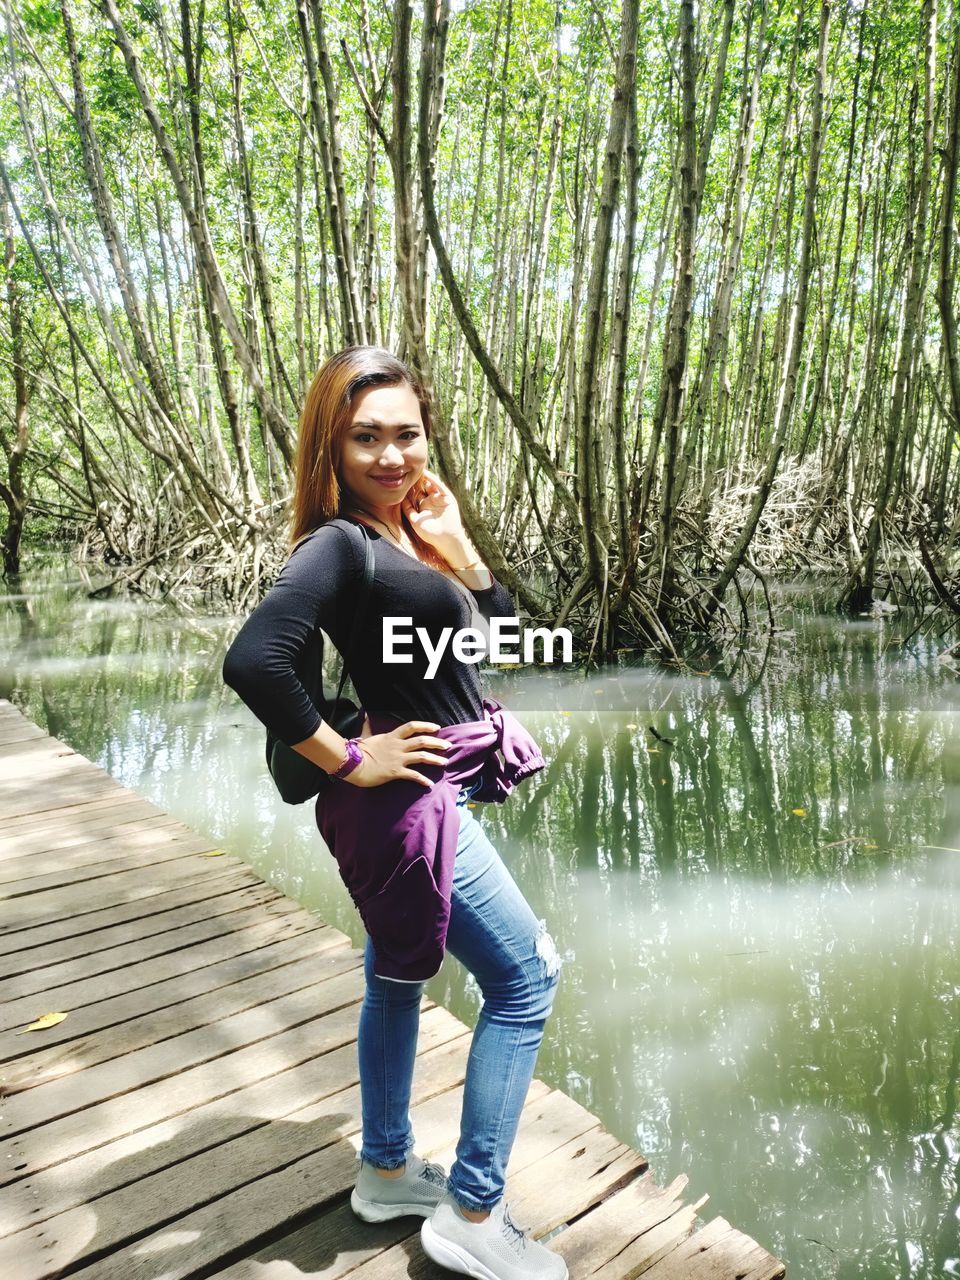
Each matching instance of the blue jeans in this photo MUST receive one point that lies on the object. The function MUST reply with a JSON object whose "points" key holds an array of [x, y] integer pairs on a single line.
{"points": [[495, 934]]}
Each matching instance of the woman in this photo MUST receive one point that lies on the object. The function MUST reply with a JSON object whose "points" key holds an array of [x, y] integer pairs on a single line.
{"points": [[362, 459]]}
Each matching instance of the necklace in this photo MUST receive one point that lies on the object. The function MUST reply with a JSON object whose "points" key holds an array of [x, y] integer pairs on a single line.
{"points": [[448, 574], [393, 537]]}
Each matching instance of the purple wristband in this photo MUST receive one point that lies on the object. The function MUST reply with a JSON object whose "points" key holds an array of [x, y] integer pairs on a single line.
{"points": [[353, 757]]}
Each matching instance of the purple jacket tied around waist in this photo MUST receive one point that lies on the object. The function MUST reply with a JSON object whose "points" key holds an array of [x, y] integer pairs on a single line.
{"points": [[396, 844]]}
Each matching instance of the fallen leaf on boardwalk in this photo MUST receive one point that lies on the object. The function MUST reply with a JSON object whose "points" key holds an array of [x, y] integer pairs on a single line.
{"points": [[212, 853], [801, 813], [44, 1021]]}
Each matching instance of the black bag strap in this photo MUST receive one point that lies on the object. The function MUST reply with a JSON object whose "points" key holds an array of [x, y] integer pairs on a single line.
{"points": [[358, 617], [366, 580]]}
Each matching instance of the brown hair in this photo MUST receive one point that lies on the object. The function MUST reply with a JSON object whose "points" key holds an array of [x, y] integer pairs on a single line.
{"points": [[327, 413]]}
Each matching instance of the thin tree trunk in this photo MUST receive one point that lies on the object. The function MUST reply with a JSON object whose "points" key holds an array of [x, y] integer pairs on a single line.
{"points": [[673, 383], [794, 332], [946, 278], [859, 589], [589, 423], [13, 491], [198, 223]]}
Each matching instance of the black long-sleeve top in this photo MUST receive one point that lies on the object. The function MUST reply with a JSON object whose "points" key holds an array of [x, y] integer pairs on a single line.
{"points": [[319, 586]]}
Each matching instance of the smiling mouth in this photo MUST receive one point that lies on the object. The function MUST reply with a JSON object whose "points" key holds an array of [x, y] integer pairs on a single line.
{"points": [[394, 479]]}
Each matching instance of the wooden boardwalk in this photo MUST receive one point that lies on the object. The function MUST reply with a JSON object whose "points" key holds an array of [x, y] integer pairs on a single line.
{"points": [[197, 1111]]}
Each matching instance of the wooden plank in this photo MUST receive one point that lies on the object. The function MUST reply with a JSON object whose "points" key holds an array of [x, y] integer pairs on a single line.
{"points": [[31, 772], [658, 1241], [17, 722], [161, 1147], [198, 1112], [12, 717], [14, 738], [29, 752], [332, 1241], [8, 711], [106, 1014], [572, 1179], [542, 1195], [14, 734], [314, 1162], [281, 1073], [155, 848], [757, 1264], [156, 971], [20, 801], [241, 1186], [123, 887], [176, 1124], [10, 725], [339, 983], [38, 759], [201, 1011], [46, 981], [716, 1252], [38, 854], [96, 923], [93, 950], [548, 1124], [629, 1231], [98, 808]]}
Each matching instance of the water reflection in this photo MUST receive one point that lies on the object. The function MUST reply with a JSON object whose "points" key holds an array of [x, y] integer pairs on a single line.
{"points": [[754, 879]]}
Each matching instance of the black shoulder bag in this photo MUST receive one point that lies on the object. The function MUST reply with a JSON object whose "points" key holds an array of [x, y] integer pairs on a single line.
{"points": [[297, 778]]}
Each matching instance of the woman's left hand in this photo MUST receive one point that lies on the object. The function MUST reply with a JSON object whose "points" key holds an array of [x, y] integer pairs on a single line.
{"points": [[434, 513]]}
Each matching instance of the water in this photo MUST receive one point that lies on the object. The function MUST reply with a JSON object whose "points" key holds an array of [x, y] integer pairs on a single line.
{"points": [[759, 921]]}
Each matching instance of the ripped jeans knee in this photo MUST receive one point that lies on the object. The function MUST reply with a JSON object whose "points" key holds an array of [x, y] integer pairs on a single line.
{"points": [[547, 953], [545, 978], [521, 992]]}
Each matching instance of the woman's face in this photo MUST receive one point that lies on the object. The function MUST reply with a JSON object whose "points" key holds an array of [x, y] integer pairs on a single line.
{"points": [[384, 450]]}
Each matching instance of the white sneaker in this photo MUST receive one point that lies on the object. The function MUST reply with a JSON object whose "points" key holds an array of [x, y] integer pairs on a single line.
{"points": [[495, 1249], [418, 1190]]}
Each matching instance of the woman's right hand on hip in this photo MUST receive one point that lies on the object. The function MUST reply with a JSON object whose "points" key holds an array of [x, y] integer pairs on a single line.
{"points": [[387, 756]]}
